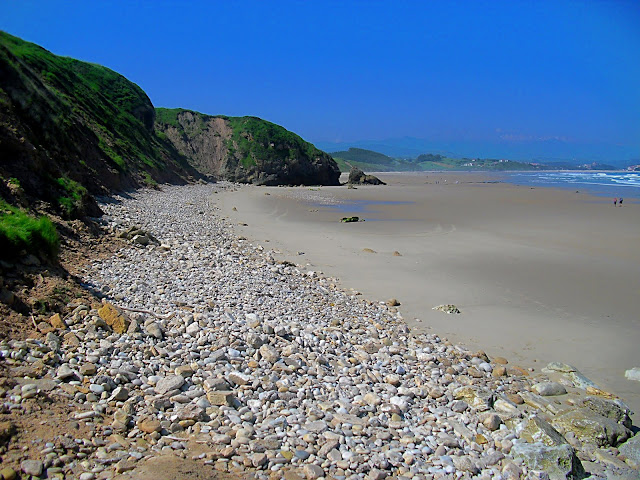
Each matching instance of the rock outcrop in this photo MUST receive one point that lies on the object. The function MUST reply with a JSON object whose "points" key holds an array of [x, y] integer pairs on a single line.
{"points": [[245, 149], [357, 176]]}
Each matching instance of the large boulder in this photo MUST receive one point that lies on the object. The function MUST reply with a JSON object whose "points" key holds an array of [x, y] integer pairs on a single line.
{"points": [[537, 430], [613, 409], [559, 462], [631, 450], [357, 176], [591, 427]]}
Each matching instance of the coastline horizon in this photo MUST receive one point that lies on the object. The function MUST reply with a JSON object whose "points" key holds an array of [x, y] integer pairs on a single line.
{"points": [[599, 183]]}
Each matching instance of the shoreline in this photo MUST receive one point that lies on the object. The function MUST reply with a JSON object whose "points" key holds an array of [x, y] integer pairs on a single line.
{"points": [[528, 267]]}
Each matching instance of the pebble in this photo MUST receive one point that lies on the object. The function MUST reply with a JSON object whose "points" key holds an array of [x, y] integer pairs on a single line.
{"points": [[32, 467], [547, 389]]}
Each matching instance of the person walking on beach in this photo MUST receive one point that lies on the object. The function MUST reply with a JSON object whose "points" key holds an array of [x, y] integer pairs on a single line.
{"points": [[620, 201], [615, 202]]}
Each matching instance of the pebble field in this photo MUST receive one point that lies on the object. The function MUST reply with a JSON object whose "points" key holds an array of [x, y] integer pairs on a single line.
{"points": [[279, 371]]}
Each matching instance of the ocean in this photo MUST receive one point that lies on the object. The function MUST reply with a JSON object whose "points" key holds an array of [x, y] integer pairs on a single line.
{"points": [[605, 184]]}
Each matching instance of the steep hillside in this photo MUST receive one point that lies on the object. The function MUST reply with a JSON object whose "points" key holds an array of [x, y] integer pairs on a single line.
{"points": [[245, 149], [70, 128]]}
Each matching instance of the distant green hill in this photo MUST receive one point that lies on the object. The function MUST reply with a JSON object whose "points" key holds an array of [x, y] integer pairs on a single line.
{"points": [[369, 160], [363, 156]]}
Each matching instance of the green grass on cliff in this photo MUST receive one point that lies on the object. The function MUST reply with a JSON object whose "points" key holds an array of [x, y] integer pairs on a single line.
{"points": [[74, 96], [20, 231], [253, 140], [266, 141], [72, 200]]}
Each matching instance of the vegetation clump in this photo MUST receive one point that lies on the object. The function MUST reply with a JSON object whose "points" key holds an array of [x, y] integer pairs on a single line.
{"points": [[21, 232], [72, 201]]}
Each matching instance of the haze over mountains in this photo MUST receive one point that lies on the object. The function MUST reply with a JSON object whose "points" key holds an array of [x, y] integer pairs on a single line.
{"points": [[525, 150]]}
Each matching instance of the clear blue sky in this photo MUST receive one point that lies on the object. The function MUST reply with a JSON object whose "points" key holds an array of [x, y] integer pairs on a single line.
{"points": [[347, 70]]}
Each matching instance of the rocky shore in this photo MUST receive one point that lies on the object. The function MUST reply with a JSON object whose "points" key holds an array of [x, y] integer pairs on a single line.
{"points": [[210, 348]]}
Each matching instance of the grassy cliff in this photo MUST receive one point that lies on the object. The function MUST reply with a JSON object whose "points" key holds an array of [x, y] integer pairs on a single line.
{"points": [[69, 128], [245, 149]]}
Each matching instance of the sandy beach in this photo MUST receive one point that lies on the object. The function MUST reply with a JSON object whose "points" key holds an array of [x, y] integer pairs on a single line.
{"points": [[539, 274]]}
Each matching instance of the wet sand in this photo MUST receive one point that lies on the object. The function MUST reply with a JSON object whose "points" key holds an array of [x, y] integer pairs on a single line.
{"points": [[539, 274]]}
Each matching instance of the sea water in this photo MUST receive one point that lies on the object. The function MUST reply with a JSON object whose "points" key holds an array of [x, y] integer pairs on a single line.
{"points": [[607, 184]]}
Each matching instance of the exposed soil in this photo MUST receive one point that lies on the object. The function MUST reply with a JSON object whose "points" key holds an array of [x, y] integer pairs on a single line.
{"points": [[38, 292]]}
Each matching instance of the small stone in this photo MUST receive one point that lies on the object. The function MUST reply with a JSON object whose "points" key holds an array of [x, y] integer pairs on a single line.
{"points": [[65, 372], [547, 389], [29, 390], [56, 321], [220, 397], [633, 374], [219, 384], [393, 379], [120, 394], [32, 467], [71, 339], [259, 460], [154, 330], [184, 370], [149, 425], [114, 317], [466, 464], [193, 329], [239, 378], [95, 388], [122, 417], [492, 422], [269, 353], [515, 398], [88, 369], [169, 383], [499, 371], [376, 474], [312, 471], [8, 473]]}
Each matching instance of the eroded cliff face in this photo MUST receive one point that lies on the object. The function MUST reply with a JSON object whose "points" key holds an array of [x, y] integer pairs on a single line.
{"points": [[246, 149], [203, 142]]}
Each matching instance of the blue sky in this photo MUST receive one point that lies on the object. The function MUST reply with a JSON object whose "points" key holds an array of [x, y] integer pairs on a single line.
{"points": [[345, 71]]}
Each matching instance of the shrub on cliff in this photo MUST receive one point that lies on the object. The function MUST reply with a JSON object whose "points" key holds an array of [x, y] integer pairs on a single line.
{"points": [[20, 232]]}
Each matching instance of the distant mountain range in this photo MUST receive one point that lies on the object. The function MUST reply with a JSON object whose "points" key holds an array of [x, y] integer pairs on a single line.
{"points": [[370, 160], [543, 151]]}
